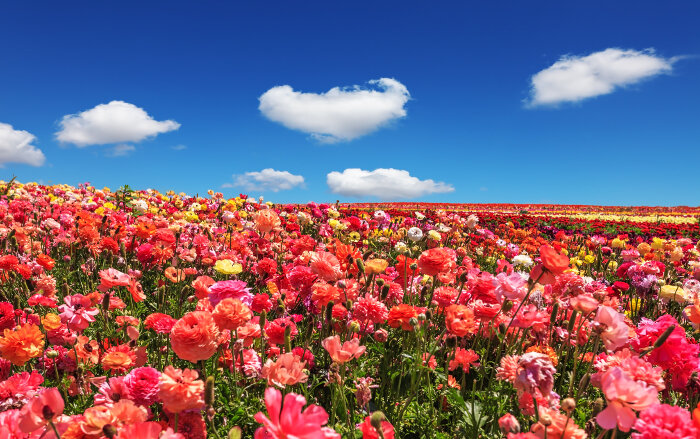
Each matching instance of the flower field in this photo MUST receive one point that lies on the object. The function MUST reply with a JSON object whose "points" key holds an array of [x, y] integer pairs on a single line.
{"points": [[140, 315]]}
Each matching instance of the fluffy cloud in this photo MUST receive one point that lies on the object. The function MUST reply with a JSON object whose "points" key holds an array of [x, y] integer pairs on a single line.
{"points": [[267, 180], [16, 147], [574, 78], [385, 184], [115, 122], [340, 114]]}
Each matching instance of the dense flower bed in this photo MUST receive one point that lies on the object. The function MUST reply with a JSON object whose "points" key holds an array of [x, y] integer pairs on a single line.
{"points": [[140, 315]]}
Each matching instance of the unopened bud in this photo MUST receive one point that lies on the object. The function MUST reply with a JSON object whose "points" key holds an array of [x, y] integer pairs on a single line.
{"points": [[380, 282], [209, 391], [568, 405], [360, 265], [376, 421], [109, 431]]}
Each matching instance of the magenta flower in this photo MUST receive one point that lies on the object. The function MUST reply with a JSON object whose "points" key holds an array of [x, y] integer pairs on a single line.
{"points": [[233, 289], [142, 384]]}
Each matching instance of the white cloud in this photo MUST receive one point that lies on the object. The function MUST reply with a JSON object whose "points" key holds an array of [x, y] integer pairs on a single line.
{"points": [[16, 147], [385, 184], [121, 150], [114, 122], [267, 180], [179, 147], [574, 78], [340, 114]]}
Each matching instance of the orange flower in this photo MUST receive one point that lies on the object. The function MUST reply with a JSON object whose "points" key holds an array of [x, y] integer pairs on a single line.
{"points": [[287, 370], [195, 336], [201, 286], [231, 314], [174, 275], [22, 344], [375, 266], [95, 420], [180, 389], [460, 320], [400, 316], [119, 359], [87, 350], [51, 321]]}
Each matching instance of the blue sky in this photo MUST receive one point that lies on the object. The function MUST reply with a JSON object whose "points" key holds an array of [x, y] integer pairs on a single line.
{"points": [[618, 127]]}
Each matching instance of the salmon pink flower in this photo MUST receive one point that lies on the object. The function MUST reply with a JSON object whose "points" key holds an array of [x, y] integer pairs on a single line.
{"points": [[77, 312], [326, 266], [345, 352], [41, 409], [288, 369], [195, 336], [180, 390], [624, 395]]}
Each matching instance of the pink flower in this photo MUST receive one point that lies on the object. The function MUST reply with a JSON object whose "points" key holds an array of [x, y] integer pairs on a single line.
{"points": [[142, 384], [288, 420], [535, 371], [512, 287], [77, 313], [111, 277], [234, 289], [624, 395], [615, 333], [662, 421], [326, 266], [584, 303], [41, 409], [345, 352]]}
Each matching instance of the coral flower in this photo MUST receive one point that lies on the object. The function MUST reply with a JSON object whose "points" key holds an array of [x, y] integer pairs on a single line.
{"points": [[231, 314], [553, 264], [288, 369], [345, 352], [287, 420], [460, 320], [561, 426], [400, 316], [22, 344], [266, 220], [376, 266], [95, 420], [41, 409], [111, 278], [195, 336], [437, 260], [369, 432], [623, 395], [180, 390]]}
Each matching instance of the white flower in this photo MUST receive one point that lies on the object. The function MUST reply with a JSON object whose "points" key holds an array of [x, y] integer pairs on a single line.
{"points": [[522, 261], [419, 216], [401, 247], [472, 221], [415, 234]]}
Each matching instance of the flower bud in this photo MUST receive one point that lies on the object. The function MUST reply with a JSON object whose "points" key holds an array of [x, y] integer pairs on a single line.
{"points": [[568, 405], [508, 424], [209, 391], [381, 335]]}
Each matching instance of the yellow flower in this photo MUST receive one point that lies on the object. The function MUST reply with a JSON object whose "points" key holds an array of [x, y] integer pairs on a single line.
{"points": [[435, 236], [672, 292], [657, 244], [227, 267], [618, 243], [589, 259]]}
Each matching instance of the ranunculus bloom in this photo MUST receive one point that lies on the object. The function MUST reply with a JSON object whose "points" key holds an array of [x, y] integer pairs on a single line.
{"points": [[230, 289], [553, 264], [624, 395], [437, 260], [231, 314], [41, 409], [142, 384], [615, 331], [345, 352], [535, 372], [376, 266], [288, 369], [180, 389], [288, 420], [584, 303], [459, 320], [663, 421], [326, 266], [561, 427], [400, 316], [266, 220], [195, 336], [22, 344], [369, 432]]}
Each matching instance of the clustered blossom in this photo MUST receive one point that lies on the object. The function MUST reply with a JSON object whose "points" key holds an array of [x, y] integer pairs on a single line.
{"points": [[165, 316]]}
